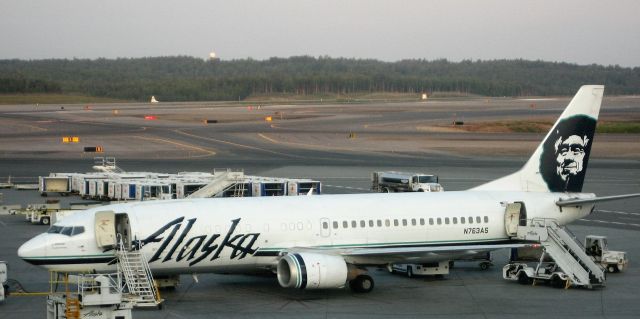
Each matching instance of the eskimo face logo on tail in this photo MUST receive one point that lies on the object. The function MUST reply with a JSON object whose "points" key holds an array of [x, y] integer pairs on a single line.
{"points": [[565, 154]]}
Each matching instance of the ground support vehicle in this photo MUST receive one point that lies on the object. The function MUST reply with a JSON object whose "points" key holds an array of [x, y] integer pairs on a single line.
{"points": [[597, 248], [393, 182], [437, 268], [545, 272]]}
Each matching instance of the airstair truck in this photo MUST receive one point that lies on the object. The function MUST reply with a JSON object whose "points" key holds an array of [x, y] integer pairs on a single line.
{"points": [[391, 182]]}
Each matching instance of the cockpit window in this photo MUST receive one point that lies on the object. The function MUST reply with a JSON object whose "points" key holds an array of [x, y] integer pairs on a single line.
{"points": [[54, 229], [66, 230], [77, 230]]}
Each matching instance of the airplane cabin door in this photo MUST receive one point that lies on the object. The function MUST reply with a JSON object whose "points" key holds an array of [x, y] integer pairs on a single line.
{"points": [[105, 229], [109, 227], [515, 215]]}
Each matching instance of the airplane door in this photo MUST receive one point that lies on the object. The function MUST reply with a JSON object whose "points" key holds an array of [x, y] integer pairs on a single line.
{"points": [[325, 227], [109, 227], [105, 229], [515, 215]]}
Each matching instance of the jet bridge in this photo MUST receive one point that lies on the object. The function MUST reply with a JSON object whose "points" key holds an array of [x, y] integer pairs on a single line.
{"points": [[558, 243]]}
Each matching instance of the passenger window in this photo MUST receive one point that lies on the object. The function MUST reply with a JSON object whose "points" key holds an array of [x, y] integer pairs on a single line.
{"points": [[370, 222], [77, 230], [439, 221], [486, 219], [404, 222], [470, 220], [395, 222], [422, 221], [354, 224], [478, 220], [413, 221], [325, 225], [345, 224], [430, 221], [379, 223], [455, 220], [446, 220], [335, 225], [363, 224], [462, 220], [387, 222]]}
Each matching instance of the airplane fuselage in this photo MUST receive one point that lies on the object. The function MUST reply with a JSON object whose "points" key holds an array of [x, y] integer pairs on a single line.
{"points": [[248, 234]]}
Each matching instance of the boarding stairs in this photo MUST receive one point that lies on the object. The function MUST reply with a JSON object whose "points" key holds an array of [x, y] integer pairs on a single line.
{"points": [[221, 181], [107, 165], [565, 250], [138, 278]]}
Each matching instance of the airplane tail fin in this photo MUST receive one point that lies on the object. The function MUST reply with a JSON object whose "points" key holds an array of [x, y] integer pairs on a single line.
{"points": [[560, 162]]}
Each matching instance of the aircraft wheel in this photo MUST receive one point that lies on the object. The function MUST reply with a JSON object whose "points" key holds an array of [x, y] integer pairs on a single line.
{"points": [[362, 284]]}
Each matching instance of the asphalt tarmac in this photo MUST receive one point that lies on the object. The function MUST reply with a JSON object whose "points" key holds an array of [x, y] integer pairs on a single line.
{"points": [[339, 145]]}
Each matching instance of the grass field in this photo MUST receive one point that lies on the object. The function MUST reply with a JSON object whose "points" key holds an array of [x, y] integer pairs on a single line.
{"points": [[53, 99]]}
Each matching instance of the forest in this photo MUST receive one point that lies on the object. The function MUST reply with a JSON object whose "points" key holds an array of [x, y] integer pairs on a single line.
{"points": [[183, 78]]}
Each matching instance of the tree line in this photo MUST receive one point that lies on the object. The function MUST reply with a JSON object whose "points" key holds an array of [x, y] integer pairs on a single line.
{"points": [[183, 78]]}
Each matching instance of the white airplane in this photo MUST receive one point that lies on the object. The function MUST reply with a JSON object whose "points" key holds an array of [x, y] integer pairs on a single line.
{"points": [[327, 241]]}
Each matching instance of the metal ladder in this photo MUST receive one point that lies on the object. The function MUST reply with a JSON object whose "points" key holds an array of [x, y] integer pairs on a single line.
{"points": [[137, 275], [565, 251]]}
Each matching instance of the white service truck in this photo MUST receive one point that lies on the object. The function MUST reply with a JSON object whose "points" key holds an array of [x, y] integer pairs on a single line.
{"points": [[391, 182]]}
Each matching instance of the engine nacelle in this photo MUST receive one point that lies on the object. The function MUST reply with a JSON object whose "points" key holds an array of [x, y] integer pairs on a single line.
{"points": [[312, 271]]}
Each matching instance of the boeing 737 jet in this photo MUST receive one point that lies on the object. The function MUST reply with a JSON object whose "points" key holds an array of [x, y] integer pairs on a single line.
{"points": [[328, 241]]}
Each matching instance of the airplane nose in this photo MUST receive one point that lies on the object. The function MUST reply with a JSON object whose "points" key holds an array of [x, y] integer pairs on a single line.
{"points": [[33, 249]]}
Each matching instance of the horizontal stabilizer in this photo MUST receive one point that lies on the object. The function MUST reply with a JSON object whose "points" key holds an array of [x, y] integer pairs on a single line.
{"points": [[577, 201]]}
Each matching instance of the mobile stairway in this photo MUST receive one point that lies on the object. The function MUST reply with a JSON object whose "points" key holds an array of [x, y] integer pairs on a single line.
{"points": [[142, 291], [221, 182], [565, 250]]}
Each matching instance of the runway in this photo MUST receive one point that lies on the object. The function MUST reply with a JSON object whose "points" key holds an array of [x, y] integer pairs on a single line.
{"points": [[313, 141]]}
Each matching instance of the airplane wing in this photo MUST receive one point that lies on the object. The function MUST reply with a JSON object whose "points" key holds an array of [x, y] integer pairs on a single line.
{"points": [[423, 254], [577, 201]]}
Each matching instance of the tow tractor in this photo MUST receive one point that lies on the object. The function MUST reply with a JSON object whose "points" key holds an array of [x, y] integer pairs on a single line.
{"points": [[612, 261]]}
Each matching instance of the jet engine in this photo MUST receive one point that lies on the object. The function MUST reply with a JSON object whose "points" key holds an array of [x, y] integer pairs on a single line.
{"points": [[312, 271]]}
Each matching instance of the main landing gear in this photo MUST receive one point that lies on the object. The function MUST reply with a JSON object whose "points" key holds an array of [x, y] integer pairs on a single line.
{"points": [[361, 284]]}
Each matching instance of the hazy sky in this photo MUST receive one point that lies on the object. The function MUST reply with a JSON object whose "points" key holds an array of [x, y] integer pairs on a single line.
{"points": [[578, 31]]}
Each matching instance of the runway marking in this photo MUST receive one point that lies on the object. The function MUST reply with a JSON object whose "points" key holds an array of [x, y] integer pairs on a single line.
{"points": [[235, 144], [3, 224], [206, 151], [616, 212], [608, 222]]}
